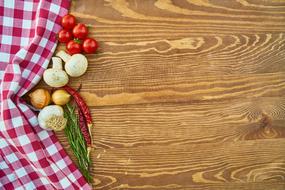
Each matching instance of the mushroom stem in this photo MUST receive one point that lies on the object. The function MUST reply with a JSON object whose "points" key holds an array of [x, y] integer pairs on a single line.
{"points": [[56, 63], [63, 55]]}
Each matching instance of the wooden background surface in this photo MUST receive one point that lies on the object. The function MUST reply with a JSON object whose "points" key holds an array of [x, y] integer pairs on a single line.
{"points": [[186, 94]]}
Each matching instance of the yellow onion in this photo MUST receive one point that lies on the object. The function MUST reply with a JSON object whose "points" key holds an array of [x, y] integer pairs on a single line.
{"points": [[60, 97], [40, 98]]}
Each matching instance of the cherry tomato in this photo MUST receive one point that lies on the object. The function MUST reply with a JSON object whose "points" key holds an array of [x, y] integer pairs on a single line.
{"points": [[73, 47], [90, 45], [68, 21], [64, 36], [80, 31]]}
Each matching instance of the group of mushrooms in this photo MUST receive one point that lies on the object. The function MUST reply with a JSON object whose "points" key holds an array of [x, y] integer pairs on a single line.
{"points": [[75, 66], [51, 117]]}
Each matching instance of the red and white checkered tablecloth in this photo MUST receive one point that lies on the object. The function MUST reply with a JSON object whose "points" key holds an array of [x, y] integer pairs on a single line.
{"points": [[30, 158]]}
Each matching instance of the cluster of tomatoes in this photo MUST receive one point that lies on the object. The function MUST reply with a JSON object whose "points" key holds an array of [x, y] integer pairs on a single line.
{"points": [[76, 36]]}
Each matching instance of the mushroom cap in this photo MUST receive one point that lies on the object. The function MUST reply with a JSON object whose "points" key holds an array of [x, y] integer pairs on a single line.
{"points": [[55, 77], [47, 112], [76, 65]]}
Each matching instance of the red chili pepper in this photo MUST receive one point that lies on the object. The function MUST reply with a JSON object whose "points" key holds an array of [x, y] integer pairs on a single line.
{"points": [[86, 115], [82, 105], [84, 128]]}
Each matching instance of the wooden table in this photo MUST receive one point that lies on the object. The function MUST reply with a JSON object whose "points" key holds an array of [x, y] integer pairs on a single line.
{"points": [[186, 94]]}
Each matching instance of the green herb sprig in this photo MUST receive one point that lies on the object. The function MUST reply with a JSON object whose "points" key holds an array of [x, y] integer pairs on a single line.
{"points": [[76, 140]]}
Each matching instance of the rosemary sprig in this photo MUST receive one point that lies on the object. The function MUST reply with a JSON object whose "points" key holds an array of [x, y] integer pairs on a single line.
{"points": [[76, 140]]}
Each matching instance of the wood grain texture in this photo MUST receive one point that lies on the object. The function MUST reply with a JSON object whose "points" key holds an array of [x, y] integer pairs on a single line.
{"points": [[186, 94]]}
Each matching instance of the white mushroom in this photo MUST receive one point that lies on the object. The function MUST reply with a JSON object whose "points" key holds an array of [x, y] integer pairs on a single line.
{"points": [[51, 118], [76, 65], [55, 76]]}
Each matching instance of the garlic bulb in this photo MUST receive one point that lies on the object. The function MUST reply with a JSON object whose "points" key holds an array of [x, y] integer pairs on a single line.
{"points": [[60, 97], [56, 123], [51, 118], [40, 98]]}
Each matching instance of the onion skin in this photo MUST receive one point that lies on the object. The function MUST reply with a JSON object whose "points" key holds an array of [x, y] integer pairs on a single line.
{"points": [[40, 98], [60, 97]]}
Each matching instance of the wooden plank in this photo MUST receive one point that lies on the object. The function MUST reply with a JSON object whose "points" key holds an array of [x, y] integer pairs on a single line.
{"points": [[174, 124], [257, 164], [225, 186], [179, 88], [186, 165], [236, 53], [198, 15]]}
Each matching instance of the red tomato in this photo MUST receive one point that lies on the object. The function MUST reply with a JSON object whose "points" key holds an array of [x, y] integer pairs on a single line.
{"points": [[64, 36], [68, 21], [90, 45], [80, 31], [73, 47]]}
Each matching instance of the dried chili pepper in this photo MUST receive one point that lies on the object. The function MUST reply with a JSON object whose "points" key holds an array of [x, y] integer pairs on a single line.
{"points": [[84, 128], [86, 115]]}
